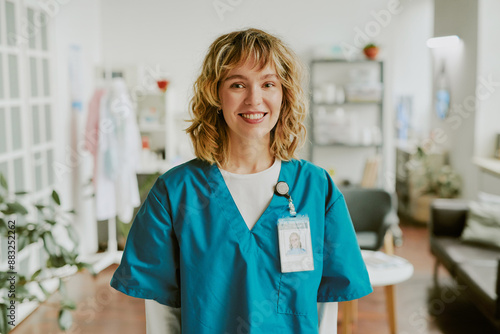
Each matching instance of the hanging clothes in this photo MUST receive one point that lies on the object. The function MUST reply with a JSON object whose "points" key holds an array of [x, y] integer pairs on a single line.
{"points": [[117, 154], [92, 127]]}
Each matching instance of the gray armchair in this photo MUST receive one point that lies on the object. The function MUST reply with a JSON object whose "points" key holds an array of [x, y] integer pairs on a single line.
{"points": [[373, 214]]}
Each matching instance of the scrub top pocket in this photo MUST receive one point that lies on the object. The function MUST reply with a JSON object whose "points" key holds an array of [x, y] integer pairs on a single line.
{"points": [[297, 292]]}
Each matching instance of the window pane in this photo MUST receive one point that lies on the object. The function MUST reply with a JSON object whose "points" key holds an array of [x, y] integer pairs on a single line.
{"points": [[3, 134], [3, 170], [13, 77], [15, 117], [33, 77], [32, 31], [19, 175], [10, 19], [38, 163], [1, 30], [1, 76], [36, 125], [50, 167], [43, 23], [48, 123], [46, 80]]}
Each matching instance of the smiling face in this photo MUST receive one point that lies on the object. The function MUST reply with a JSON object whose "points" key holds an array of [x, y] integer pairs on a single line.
{"points": [[251, 99], [294, 240]]}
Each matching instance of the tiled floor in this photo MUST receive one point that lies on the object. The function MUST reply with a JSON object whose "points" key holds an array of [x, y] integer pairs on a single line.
{"points": [[102, 310]]}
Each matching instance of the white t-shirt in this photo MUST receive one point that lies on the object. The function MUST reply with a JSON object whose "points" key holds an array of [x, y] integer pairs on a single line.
{"points": [[252, 194]]}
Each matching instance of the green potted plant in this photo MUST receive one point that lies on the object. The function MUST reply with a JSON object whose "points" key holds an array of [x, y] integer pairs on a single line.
{"points": [[18, 226], [371, 51]]}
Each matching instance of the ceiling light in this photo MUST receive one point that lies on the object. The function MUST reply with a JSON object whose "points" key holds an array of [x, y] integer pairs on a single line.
{"points": [[443, 42]]}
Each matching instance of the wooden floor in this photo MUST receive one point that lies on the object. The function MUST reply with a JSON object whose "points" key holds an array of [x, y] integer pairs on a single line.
{"points": [[421, 308]]}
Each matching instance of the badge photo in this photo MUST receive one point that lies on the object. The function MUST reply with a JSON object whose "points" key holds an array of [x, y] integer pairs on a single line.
{"points": [[295, 244]]}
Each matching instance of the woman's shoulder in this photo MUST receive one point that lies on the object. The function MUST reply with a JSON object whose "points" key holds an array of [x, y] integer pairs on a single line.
{"points": [[315, 175], [185, 172], [307, 168]]}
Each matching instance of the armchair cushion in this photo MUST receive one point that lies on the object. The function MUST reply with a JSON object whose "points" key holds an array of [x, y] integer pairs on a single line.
{"points": [[483, 224]]}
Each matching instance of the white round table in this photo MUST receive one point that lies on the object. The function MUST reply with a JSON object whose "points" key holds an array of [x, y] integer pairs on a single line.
{"points": [[384, 270]]}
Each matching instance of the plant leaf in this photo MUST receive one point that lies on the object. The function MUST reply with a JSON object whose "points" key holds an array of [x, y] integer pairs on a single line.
{"points": [[88, 266], [50, 244], [3, 226], [68, 304], [19, 193], [73, 235], [3, 182], [4, 326], [45, 292], [55, 197], [17, 208], [36, 274], [62, 287], [65, 319]]}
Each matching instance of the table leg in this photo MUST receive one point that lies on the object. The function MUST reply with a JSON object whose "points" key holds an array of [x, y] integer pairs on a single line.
{"points": [[389, 243], [391, 307], [354, 317], [346, 317]]}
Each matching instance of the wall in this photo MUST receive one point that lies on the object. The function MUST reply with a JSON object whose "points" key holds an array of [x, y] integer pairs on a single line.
{"points": [[456, 133], [488, 69], [488, 97], [175, 35], [76, 23]]}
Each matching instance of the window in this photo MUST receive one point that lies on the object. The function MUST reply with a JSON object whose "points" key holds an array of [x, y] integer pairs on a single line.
{"points": [[26, 109]]}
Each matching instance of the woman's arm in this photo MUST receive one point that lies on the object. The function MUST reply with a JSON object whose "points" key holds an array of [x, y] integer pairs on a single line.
{"points": [[162, 319]]}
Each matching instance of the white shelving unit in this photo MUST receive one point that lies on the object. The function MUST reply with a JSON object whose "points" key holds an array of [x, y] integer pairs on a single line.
{"points": [[155, 120], [346, 119]]}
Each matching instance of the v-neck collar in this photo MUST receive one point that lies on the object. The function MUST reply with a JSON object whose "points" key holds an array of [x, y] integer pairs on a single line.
{"points": [[266, 222]]}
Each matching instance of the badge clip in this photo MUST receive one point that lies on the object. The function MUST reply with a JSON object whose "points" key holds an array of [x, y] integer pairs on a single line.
{"points": [[282, 189]]}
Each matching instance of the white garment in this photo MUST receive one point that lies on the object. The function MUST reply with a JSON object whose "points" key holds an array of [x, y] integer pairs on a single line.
{"points": [[252, 194], [119, 147]]}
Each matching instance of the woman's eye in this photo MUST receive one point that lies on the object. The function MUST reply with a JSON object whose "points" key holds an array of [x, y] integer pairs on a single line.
{"points": [[237, 85], [269, 84]]}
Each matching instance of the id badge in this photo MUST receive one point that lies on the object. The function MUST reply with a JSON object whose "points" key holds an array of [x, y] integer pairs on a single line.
{"points": [[295, 247]]}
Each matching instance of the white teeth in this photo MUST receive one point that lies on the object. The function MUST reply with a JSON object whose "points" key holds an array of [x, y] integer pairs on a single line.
{"points": [[253, 116]]}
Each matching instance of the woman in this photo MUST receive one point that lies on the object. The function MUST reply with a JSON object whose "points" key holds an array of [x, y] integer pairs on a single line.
{"points": [[295, 245], [204, 244]]}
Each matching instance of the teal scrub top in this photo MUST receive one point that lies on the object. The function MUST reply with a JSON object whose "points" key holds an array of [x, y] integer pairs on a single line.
{"points": [[189, 246]]}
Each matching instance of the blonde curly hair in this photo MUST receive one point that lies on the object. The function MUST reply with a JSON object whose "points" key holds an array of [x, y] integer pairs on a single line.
{"points": [[209, 131]]}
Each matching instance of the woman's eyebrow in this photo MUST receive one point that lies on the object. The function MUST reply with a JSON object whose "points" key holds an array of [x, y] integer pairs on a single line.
{"points": [[239, 76], [235, 76], [269, 76]]}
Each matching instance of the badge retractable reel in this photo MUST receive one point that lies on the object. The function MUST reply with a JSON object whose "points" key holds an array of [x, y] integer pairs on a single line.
{"points": [[282, 189], [294, 237]]}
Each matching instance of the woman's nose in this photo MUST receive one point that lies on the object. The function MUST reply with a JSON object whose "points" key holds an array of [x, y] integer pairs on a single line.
{"points": [[254, 96]]}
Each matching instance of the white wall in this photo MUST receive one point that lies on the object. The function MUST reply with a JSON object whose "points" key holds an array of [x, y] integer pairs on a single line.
{"points": [[78, 23], [457, 132], [176, 34], [488, 69]]}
